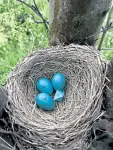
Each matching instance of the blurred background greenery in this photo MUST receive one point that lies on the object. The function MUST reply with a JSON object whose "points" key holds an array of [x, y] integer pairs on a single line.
{"points": [[20, 35]]}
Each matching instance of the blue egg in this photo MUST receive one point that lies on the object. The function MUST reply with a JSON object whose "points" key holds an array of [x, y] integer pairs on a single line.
{"points": [[44, 86], [45, 101], [58, 81]]}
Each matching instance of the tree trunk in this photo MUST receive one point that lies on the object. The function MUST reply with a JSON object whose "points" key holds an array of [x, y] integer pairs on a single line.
{"points": [[75, 21], [79, 22]]}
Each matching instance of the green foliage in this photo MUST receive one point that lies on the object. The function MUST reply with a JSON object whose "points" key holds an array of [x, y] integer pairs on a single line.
{"points": [[108, 44], [107, 54], [93, 148], [108, 41], [19, 35]]}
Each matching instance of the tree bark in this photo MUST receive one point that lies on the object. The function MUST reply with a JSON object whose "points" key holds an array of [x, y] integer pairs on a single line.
{"points": [[108, 102], [75, 21], [3, 99]]}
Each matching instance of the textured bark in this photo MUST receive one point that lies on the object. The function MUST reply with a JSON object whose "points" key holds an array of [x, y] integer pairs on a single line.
{"points": [[72, 21], [108, 102], [3, 100]]}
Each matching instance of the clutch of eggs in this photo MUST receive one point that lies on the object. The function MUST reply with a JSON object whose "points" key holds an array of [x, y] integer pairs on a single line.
{"points": [[44, 99]]}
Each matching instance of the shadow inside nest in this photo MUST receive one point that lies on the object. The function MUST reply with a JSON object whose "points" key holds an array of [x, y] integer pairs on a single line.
{"points": [[102, 135]]}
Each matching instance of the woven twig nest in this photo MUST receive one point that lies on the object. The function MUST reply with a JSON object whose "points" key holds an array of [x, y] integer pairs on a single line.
{"points": [[67, 126]]}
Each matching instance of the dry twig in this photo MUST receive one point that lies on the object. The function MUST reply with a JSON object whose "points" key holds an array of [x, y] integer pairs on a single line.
{"points": [[36, 10]]}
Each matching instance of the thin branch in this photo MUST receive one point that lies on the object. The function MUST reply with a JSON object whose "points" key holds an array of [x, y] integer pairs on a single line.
{"points": [[109, 16], [106, 48], [36, 10], [106, 28], [38, 22], [101, 31], [94, 34]]}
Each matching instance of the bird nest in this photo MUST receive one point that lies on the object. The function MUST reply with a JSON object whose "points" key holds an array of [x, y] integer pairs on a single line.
{"points": [[67, 127]]}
